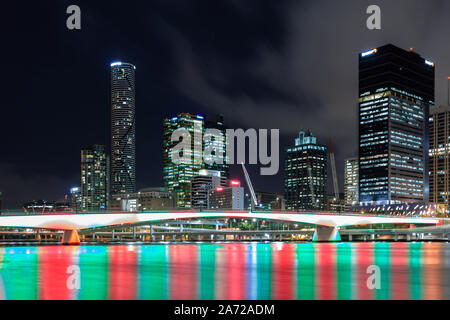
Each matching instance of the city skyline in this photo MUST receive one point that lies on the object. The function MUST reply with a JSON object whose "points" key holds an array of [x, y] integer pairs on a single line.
{"points": [[69, 127]]}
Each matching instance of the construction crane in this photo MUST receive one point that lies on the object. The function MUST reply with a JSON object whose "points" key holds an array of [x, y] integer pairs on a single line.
{"points": [[311, 185], [333, 171], [254, 202]]}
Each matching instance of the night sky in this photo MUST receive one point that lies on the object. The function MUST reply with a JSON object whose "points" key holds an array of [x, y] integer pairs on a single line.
{"points": [[262, 64]]}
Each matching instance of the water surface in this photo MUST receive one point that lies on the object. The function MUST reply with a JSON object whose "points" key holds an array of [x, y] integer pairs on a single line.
{"points": [[226, 271]]}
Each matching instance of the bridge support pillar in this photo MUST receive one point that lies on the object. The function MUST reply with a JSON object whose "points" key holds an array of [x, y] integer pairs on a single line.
{"points": [[324, 233], [70, 237]]}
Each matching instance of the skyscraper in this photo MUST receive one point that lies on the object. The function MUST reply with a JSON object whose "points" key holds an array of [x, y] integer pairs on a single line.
{"points": [[94, 178], [123, 154], [351, 175], [440, 155], [396, 89], [305, 174], [177, 177]]}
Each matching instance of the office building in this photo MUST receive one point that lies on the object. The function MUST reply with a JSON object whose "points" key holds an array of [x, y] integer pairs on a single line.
{"points": [[201, 183], [396, 90], [439, 155], [335, 205], [267, 200], [227, 198], [94, 178], [351, 176], [123, 129], [217, 144], [146, 199], [177, 177], [305, 174]]}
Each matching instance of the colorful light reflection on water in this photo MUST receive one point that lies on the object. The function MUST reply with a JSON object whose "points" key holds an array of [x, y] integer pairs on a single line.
{"points": [[227, 271]]}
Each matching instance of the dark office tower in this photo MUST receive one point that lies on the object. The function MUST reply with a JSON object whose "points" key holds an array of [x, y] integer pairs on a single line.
{"points": [[94, 178], [396, 90], [305, 174], [440, 155], [123, 154]]}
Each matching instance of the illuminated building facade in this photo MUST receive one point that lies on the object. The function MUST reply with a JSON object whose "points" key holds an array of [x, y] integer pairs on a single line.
{"points": [[439, 162], [94, 178], [218, 144], [351, 176], [396, 90], [228, 198], [177, 177], [305, 174], [145, 200], [123, 129], [204, 181]]}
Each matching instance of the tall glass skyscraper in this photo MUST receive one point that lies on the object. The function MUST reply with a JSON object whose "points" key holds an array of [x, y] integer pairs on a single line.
{"points": [[305, 174], [123, 130], [177, 177], [396, 90]]}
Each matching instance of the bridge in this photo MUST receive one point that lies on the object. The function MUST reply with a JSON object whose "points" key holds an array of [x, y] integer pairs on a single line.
{"points": [[327, 225]]}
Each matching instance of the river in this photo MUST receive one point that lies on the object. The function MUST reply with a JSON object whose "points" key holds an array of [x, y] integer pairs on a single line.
{"points": [[280, 270]]}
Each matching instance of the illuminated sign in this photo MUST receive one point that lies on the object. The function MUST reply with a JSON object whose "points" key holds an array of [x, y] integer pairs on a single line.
{"points": [[116, 64], [219, 189], [368, 53], [235, 183], [430, 63]]}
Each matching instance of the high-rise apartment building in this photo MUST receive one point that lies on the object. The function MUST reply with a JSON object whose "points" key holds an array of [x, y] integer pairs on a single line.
{"points": [[351, 176], [94, 178], [123, 129], [305, 174], [439, 162], [396, 90], [177, 176]]}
